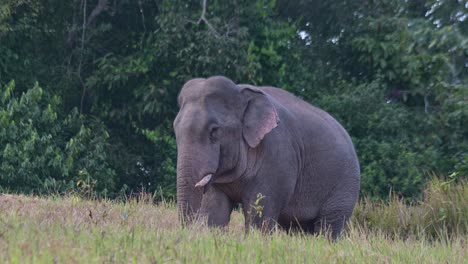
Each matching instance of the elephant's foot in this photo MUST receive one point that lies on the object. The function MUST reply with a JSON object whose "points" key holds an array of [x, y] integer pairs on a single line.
{"points": [[331, 228]]}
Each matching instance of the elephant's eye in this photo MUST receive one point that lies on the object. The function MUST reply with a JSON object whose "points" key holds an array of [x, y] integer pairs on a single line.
{"points": [[214, 133]]}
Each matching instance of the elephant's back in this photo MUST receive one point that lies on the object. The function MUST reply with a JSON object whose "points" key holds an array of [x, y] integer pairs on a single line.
{"points": [[317, 129]]}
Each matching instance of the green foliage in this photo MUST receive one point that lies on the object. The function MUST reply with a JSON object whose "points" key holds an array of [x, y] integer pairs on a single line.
{"points": [[137, 87], [43, 152], [394, 153], [400, 89], [393, 72]]}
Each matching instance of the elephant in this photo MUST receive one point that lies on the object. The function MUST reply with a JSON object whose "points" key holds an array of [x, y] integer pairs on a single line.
{"points": [[285, 161]]}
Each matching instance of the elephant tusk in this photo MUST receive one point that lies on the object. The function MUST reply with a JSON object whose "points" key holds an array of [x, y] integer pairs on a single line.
{"points": [[204, 181]]}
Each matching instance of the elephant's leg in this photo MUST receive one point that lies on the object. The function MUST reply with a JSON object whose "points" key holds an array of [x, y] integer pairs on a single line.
{"points": [[334, 216], [331, 227], [258, 220], [216, 207], [296, 227], [261, 213]]}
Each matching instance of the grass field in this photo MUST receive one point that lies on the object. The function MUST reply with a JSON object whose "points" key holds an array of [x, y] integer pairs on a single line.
{"points": [[75, 230]]}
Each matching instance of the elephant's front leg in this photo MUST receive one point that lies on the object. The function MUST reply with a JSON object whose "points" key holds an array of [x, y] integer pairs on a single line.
{"points": [[260, 211], [216, 207]]}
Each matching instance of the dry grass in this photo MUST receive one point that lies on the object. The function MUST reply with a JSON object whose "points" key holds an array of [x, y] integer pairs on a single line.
{"points": [[74, 230], [441, 215]]}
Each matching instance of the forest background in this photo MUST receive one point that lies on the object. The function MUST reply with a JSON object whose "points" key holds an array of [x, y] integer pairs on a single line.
{"points": [[88, 87]]}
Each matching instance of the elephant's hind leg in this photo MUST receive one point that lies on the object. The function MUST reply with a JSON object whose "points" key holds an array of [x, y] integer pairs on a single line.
{"points": [[331, 228], [298, 227], [334, 216]]}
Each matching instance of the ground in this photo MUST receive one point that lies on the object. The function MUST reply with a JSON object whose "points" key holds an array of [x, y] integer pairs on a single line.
{"points": [[76, 230]]}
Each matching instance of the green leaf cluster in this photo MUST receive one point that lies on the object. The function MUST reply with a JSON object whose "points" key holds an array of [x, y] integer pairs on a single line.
{"points": [[42, 151]]}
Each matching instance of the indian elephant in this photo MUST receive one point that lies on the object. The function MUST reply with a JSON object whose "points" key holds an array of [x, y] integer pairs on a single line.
{"points": [[286, 161]]}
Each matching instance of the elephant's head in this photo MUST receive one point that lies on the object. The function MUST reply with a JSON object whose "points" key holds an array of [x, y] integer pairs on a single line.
{"points": [[218, 121]]}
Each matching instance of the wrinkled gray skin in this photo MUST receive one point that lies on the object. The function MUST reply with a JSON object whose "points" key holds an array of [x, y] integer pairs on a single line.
{"points": [[262, 140]]}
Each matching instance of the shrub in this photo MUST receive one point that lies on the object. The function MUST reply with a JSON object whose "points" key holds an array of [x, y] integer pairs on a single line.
{"points": [[41, 151]]}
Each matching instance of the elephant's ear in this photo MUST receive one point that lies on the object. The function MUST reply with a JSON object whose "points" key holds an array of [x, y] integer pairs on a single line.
{"points": [[260, 116]]}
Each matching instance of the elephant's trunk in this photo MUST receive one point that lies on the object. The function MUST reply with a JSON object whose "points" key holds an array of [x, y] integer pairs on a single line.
{"points": [[193, 170], [188, 197]]}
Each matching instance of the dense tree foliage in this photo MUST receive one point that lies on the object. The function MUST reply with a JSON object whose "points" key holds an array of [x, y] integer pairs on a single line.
{"points": [[88, 87]]}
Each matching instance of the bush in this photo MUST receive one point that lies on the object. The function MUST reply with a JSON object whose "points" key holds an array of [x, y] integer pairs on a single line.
{"points": [[41, 151]]}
